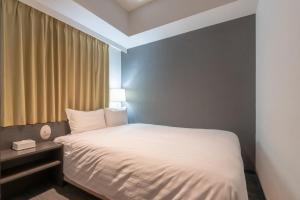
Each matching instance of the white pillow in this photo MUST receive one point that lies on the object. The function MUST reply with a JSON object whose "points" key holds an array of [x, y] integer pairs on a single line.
{"points": [[81, 121], [116, 117]]}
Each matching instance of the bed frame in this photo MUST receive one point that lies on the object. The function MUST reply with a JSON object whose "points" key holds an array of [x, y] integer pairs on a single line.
{"points": [[84, 189]]}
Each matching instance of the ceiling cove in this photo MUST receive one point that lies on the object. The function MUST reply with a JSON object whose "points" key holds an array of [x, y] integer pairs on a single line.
{"points": [[131, 5], [125, 24]]}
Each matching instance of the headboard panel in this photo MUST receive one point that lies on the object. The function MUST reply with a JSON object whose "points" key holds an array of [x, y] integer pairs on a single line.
{"points": [[15, 133]]}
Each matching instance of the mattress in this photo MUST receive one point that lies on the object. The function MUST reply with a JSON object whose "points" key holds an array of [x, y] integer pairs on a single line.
{"points": [[151, 162]]}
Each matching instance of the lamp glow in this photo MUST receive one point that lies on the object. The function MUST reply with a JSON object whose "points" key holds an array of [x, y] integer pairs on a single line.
{"points": [[117, 95]]}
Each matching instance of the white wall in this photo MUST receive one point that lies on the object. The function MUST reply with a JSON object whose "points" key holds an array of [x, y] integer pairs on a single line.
{"points": [[115, 72], [114, 68], [278, 98]]}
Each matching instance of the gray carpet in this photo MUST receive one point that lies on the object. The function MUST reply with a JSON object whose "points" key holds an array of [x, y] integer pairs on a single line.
{"points": [[68, 192]]}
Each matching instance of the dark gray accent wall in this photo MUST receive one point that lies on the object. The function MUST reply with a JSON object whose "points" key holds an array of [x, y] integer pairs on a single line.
{"points": [[200, 79], [32, 131]]}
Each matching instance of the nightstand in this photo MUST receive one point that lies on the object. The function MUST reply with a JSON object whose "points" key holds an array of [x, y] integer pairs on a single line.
{"points": [[19, 169]]}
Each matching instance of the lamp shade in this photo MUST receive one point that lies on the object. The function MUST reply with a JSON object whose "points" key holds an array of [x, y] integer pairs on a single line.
{"points": [[117, 95]]}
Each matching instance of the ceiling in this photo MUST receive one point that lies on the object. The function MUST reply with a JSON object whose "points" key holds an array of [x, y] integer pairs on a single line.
{"points": [[129, 23], [161, 12], [131, 5]]}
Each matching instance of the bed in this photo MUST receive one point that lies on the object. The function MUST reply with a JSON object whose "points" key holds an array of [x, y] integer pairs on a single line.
{"points": [[151, 162]]}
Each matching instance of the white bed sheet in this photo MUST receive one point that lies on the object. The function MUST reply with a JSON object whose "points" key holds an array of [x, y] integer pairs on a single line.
{"points": [[151, 162]]}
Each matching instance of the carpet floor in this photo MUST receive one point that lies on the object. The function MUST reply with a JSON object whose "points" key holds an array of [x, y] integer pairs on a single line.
{"points": [[69, 192]]}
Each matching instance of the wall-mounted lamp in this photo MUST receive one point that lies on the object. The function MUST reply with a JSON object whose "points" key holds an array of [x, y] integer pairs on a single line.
{"points": [[117, 98]]}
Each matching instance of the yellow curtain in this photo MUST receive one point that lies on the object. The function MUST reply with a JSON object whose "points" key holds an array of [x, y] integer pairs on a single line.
{"points": [[47, 66]]}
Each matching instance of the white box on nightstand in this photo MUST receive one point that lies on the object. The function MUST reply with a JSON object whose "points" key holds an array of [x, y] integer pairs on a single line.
{"points": [[23, 144]]}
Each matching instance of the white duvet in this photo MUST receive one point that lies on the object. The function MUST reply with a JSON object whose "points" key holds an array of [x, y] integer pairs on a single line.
{"points": [[150, 162]]}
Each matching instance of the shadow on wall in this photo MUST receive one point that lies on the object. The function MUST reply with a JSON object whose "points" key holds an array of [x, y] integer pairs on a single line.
{"points": [[271, 176]]}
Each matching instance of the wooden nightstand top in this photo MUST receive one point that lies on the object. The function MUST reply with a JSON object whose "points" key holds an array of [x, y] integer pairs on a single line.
{"points": [[9, 154]]}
